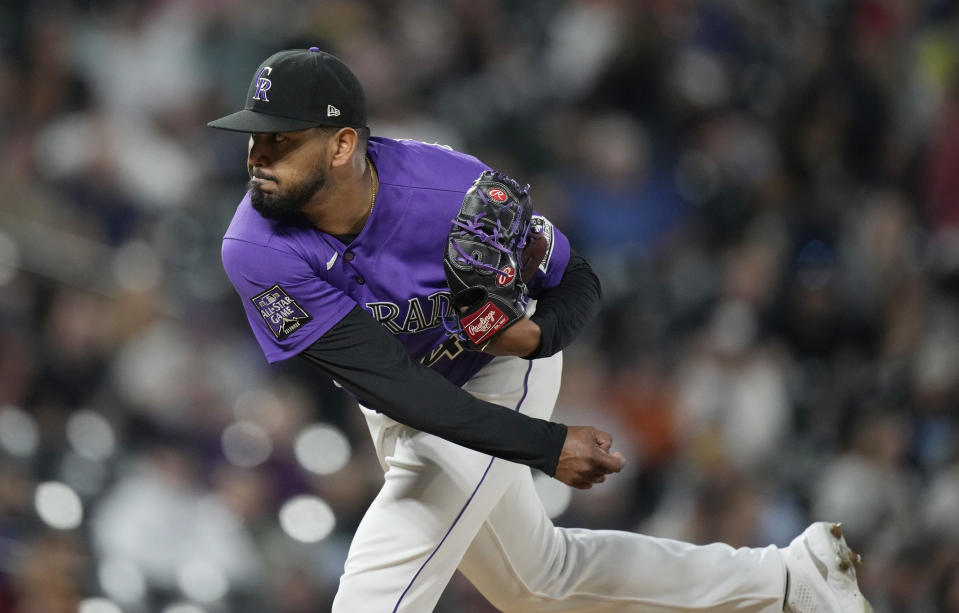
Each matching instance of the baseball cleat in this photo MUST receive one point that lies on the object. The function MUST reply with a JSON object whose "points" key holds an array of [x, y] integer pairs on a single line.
{"points": [[822, 573]]}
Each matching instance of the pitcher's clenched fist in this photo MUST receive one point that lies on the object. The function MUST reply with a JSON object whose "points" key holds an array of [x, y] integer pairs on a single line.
{"points": [[586, 459]]}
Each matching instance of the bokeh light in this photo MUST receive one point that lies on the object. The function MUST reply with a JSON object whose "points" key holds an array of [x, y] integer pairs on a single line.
{"points": [[122, 580], [246, 444], [58, 505], [91, 435], [307, 519], [202, 581], [183, 607], [19, 434], [322, 449], [98, 605]]}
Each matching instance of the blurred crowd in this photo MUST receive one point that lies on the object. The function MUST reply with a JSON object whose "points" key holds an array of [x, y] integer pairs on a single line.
{"points": [[769, 192]]}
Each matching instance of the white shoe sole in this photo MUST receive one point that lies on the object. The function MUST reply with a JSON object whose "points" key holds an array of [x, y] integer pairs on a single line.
{"points": [[823, 572]]}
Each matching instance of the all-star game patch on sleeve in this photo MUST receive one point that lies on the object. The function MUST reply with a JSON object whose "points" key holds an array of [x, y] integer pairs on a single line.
{"points": [[287, 305], [280, 312]]}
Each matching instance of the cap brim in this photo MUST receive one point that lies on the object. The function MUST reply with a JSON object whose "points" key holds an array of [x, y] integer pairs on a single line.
{"points": [[251, 121]]}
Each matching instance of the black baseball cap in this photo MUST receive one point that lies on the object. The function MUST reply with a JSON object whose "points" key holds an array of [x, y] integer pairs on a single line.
{"points": [[297, 89]]}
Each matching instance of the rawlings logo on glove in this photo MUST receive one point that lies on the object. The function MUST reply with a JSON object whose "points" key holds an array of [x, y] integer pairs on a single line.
{"points": [[491, 253], [484, 323]]}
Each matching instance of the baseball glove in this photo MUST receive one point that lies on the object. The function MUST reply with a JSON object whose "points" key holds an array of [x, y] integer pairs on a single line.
{"points": [[491, 253]]}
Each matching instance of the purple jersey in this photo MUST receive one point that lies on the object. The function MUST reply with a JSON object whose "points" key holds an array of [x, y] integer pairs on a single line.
{"points": [[297, 282]]}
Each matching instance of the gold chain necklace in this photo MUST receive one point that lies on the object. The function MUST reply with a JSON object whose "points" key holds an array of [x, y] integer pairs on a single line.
{"points": [[374, 178]]}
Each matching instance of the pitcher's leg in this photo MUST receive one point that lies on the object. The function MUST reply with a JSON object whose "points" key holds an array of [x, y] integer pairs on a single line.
{"points": [[521, 562], [413, 535], [435, 497]]}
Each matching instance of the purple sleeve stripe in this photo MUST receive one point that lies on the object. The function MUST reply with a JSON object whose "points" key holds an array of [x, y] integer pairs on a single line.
{"points": [[529, 369]]}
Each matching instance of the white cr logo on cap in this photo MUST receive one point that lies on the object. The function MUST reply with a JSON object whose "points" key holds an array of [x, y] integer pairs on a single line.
{"points": [[262, 84]]}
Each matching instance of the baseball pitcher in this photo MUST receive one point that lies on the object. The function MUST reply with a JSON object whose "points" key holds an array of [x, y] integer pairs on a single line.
{"points": [[427, 285]]}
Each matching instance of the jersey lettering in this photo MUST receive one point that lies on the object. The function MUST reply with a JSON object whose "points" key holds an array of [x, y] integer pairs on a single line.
{"points": [[450, 348], [415, 319], [441, 307], [385, 313]]}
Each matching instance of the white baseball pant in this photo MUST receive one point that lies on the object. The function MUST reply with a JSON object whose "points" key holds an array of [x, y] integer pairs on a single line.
{"points": [[444, 507]]}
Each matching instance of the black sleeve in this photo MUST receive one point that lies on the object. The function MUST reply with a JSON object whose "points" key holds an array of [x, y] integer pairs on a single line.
{"points": [[562, 311], [368, 362]]}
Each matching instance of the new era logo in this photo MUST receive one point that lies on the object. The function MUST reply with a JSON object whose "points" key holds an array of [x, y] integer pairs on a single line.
{"points": [[332, 111]]}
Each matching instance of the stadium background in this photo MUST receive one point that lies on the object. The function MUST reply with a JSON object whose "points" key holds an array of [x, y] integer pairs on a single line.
{"points": [[769, 192]]}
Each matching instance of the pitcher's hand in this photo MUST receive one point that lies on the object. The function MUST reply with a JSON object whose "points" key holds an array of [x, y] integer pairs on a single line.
{"points": [[586, 459]]}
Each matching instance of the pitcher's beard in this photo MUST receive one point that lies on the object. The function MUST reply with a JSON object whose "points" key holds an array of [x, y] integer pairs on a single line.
{"points": [[285, 206]]}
